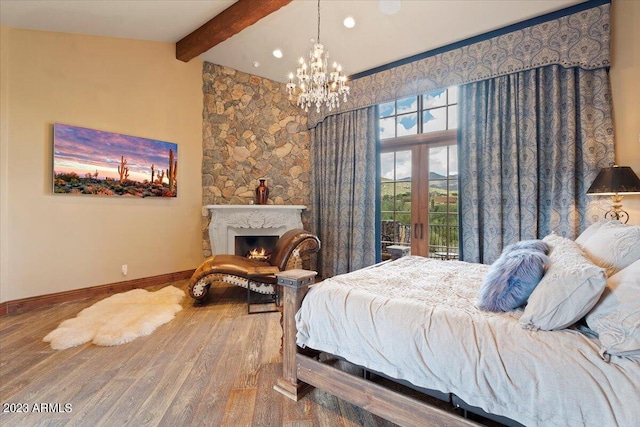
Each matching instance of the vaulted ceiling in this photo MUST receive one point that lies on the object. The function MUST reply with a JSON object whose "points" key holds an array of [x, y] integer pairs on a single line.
{"points": [[380, 35]]}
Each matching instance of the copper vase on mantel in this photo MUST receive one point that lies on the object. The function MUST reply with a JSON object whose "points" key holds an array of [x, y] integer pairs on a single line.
{"points": [[262, 193]]}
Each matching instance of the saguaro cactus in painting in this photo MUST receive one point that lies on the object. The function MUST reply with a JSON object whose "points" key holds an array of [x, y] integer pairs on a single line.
{"points": [[160, 177], [123, 170], [172, 172]]}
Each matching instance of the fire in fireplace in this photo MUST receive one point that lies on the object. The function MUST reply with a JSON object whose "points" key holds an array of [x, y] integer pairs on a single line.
{"points": [[261, 254], [255, 247]]}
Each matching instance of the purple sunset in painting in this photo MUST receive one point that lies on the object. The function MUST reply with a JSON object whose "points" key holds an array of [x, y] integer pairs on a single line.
{"points": [[88, 161]]}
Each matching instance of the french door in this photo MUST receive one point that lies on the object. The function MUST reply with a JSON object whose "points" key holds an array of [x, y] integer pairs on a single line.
{"points": [[419, 199]]}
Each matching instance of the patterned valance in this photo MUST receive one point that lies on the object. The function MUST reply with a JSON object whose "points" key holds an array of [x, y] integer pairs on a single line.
{"points": [[577, 40]]}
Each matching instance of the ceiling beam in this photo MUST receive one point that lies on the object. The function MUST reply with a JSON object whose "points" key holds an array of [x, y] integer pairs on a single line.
{"points": [[230, 21]]}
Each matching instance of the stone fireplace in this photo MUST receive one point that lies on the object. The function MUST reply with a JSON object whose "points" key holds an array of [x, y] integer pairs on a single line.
{"points": [[230, 221], [251, 130]]}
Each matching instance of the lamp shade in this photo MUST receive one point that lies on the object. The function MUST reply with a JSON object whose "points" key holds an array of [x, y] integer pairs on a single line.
{"points": [[615, 180]]}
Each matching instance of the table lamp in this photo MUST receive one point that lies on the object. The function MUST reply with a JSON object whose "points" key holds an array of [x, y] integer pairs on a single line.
{"points": [[615, 181]]}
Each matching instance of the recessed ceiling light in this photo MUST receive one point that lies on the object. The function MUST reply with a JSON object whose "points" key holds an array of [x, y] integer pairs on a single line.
{"points": [[389, 7], [277, 53], [256, 64], [349, 22]]}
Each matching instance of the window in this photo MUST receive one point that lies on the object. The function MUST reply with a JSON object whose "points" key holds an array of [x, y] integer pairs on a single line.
{"points": [[395, 201], [443, 201], [419, 174]]}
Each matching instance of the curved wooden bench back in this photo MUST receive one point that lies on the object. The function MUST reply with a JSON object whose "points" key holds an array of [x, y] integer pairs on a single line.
{"points": [[293, 240]]}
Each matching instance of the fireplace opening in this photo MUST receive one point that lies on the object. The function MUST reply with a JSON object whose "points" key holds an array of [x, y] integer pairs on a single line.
{"points": [[255, 247]]}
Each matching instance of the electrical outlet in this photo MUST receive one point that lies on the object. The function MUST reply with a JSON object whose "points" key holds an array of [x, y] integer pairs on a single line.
{"points": [[124, 269]]}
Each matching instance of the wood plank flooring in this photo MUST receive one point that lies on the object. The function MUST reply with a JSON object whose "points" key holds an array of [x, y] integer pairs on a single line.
{"points": [[213, 365]]}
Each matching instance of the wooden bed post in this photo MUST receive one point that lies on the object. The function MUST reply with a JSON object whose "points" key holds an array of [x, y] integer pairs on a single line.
{"points": [[295, 285]]}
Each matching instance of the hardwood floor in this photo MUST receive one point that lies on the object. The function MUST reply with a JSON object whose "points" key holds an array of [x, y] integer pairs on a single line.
{"points": [[213, 365]]}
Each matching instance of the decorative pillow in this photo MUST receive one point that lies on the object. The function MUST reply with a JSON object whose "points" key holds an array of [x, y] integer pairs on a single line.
{"points": [[569, 289], [611, 245], [616, 317], [511, 279]]}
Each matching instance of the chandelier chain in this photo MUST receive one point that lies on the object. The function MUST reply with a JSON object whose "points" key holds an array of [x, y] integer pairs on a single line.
{"points": [[318, 22]]}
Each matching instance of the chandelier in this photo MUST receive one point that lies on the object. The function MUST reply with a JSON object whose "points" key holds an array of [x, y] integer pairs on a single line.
{"points": [[317, 85]]}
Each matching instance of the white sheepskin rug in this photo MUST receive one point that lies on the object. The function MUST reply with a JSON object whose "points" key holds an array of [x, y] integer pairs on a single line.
{"points": [[118, 319]]}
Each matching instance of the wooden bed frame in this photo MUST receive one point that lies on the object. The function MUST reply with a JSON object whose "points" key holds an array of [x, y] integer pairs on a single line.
{"points": [[301, 373]]}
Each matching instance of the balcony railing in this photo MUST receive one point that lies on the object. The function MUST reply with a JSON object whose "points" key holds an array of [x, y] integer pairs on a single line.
{"points": [[443, 239]]}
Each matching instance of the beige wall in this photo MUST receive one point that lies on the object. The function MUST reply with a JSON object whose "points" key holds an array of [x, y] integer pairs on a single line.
{"points": [[625, 85], [4, 161], [52, 243]]}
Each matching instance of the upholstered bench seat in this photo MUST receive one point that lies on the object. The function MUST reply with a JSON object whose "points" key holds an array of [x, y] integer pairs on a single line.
{"points": [[254, 275]]}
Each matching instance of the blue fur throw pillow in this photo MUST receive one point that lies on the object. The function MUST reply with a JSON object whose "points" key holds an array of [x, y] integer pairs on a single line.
{"points": [[511, 279], [537, 245]]}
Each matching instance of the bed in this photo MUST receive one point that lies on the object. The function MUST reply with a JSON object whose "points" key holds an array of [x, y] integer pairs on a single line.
{"points": [[569, 356]]}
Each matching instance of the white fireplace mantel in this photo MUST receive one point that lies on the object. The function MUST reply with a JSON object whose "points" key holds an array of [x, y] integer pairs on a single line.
{"points": [[229, 221]]}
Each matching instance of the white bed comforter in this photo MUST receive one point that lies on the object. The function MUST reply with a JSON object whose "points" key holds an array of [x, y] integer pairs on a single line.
{"points": [[415, 319]]}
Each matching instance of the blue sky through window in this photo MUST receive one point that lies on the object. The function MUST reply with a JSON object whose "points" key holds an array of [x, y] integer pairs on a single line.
{"points": [[400, 118], [407, 124], [407, 105]]}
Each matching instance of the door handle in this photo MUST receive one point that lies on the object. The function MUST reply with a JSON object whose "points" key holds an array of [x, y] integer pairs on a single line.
{"points": [[415, 230], [421, 230]]}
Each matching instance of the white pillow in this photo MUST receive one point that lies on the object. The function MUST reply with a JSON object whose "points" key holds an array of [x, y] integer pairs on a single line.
{"points": [[588, 232], [616, 317], [570, 287], [611, 245]]}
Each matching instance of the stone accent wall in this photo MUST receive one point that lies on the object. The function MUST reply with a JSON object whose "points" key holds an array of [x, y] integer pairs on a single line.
{"points": [[251, 130]]}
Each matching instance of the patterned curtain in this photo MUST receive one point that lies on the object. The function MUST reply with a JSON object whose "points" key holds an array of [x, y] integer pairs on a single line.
{"points": [[531, 143], [343, 191]]}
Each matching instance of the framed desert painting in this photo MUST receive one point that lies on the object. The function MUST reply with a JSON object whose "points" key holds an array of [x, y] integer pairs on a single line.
{"points": [[89, 161]]}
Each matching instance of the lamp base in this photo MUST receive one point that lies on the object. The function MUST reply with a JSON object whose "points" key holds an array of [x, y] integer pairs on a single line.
{"points": [[617, 214], [616, 211]]}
